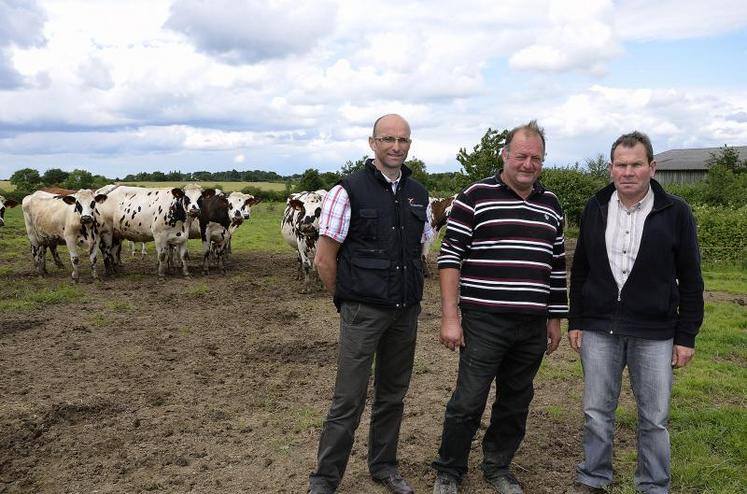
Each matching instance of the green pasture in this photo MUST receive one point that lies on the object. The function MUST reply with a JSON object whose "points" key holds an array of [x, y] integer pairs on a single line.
{"points": [[708, 423], [6, 185]]}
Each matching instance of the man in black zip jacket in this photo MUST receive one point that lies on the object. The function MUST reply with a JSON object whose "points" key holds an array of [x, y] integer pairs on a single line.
{"points": [[371, 229], [637, 301]]}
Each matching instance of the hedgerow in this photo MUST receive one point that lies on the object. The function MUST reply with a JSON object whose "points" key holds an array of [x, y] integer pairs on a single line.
{"points": [[722, 233]]}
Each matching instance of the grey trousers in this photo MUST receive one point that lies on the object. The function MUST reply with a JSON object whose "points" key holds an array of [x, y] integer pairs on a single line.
{"points": [[366, 330]]}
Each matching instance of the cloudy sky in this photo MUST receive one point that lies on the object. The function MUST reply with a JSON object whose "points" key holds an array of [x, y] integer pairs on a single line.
{"points": [[119, 87]]}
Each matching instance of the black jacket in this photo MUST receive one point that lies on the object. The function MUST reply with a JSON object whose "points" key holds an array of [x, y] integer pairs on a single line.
{"points": [[663, 295], [379, 261]]}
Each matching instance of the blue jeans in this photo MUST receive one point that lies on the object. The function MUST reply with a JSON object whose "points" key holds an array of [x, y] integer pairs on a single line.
{"points": [[603, 357], [506, 349]]}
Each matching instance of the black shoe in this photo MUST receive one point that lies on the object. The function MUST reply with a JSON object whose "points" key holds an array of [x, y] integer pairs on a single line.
{"points": [[396, 484]]}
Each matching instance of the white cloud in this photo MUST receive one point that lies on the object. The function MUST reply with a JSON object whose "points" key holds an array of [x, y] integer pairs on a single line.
{"points": [[249, 31], [21, 24]]}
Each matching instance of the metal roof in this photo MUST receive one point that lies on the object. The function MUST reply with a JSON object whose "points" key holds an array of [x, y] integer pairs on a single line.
{"points": [[691, 159]]}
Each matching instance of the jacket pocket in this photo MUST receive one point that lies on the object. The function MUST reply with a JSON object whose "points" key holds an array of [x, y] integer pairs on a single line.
{"points": [[369, 223], [371, 277]]}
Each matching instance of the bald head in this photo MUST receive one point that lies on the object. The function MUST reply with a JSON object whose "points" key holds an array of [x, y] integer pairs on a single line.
{"points": [[389, 117]]}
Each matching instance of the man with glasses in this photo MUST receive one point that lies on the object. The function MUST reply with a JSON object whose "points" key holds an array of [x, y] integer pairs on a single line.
{"points": [[502, 262], [371, 229], [636, 301]]}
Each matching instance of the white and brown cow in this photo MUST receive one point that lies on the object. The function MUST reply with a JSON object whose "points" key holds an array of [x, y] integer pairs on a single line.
{"points": [[5, 203], [438, 213], [215, 228], [300, 229], [72, 220], [142, 214]]}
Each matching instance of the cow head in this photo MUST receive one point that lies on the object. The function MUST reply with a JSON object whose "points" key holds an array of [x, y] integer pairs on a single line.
{"points": [[192, 195], [308, 207], [10, 203], [84, 202], [240, 206]]}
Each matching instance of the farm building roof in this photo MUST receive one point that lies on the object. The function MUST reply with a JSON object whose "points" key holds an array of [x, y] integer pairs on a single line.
{"points": [[691, 159]]}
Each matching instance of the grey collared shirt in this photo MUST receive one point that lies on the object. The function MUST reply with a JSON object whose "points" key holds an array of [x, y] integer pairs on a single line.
{"points": [[623, 234]]}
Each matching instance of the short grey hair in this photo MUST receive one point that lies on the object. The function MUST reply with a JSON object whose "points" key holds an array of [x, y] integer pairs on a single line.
{"points": [[531, 128], [630, 140]]}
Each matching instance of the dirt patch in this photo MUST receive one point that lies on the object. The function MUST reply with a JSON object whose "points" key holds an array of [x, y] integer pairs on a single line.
{"points": [[220, 384]]}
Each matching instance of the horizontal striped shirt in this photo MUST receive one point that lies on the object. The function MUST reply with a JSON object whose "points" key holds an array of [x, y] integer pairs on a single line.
{"points": [[510, 251]]}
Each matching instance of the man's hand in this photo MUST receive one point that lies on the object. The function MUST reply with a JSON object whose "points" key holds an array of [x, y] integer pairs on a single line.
{"points": [[451, 335], [553, 335], [574, 338], [681, 356]]}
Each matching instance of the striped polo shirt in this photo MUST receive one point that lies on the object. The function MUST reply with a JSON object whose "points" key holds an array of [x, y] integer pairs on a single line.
{"points": [[510, 251]]}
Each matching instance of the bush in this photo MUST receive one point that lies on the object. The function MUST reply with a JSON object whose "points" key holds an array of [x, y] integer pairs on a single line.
{"points": [[266, 195], [722, 233], [573, 187]]}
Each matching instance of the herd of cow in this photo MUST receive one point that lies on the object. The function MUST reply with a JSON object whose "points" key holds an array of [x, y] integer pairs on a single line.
{"points": [[99, 221]]}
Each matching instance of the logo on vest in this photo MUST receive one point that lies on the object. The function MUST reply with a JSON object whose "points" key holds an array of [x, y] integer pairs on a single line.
{"points": [[412, 203]]}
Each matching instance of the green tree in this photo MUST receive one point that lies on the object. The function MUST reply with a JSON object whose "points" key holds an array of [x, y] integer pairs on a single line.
{"points": [[158, 176], [573, 187], [597, 167], [353, 166], [727, 158], [54, 176], [26, 180], [330, 178], [485, 159], [419, 172], [78, 179], [310, 180]]}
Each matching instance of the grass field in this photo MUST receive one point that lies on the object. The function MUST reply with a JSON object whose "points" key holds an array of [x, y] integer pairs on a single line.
{"points": [[708, 423], [227, 186]]}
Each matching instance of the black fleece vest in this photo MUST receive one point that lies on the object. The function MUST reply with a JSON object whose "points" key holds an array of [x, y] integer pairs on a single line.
{"points": [[379, 261]]}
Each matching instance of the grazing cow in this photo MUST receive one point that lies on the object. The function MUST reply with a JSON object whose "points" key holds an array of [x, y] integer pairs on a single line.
{"points": [[141, 215], [300, 229], [438, 212], [10, 203], [72, 220]]}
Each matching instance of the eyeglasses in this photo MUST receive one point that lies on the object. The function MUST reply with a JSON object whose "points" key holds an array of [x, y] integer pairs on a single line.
{"points": [[404, 141]]}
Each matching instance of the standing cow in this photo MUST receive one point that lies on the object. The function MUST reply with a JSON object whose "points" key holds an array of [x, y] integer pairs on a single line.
{"points": [[140, 214], [72, 220], [300, 229], [9, 203]]}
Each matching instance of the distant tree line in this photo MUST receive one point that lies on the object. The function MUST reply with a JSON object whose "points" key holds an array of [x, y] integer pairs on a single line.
{"points": [[725, 184]]}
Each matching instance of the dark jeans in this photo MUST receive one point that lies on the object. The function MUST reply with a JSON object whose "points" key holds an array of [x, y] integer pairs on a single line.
{"points": [[504, 348], [366, 330]]}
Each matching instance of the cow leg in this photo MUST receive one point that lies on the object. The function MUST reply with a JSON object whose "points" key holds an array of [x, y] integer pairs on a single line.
{"points": [[162, 254], [206, 248], [72, 248], [183, 255], [143, 250], [55, 256], [37, 253], [92, 256]]}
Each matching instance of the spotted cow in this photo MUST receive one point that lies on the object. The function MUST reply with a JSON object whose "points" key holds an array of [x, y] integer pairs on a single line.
{"points": [[300, 229], [5, 203], [141, 214], [438, 212], [239, 210], [72, 220]]}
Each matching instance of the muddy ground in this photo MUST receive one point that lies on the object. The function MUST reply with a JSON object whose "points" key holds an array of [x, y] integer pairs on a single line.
{"points": [[220, 384]]}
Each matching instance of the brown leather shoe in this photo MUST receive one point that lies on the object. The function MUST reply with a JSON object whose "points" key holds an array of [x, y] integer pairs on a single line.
{"points": [[396, 484]]}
